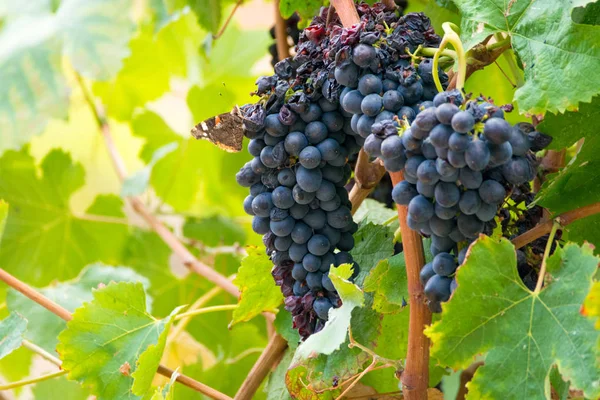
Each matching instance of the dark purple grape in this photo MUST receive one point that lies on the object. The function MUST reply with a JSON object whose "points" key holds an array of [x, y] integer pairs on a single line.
{"points": [[477, 155], [447, 194], [463, 122], [497, 130], [444, 264]]}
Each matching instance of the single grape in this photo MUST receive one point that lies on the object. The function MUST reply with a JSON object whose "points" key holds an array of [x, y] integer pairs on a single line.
{"points": [[255, 146], [456, 236], [295, 142], [444, 264], [248, 204], [322, 306], [469, 225], [394, 164], [440, 135], [297, 251], [487, 211], [260, 225], [315, 218], [406, 112], [384, 116], [333, 120], [444, 168], [393, 100], [442, 243], [500, 153], [262, 204], [458, 141], [425, 189], [463, 122], [363, 55], [426, 120], [373, 146], [409, 141], [420, 209], [301, 196], [283, 243], [447, 194], [313, 113], [497, 130], [391, 147], [316, 132], [286, 177], [428, 150], [301, 232], [331, 205], [444, 112], [326, 191], [411, 93], [470, 179], [274, 127], [403, 192], [300, 288], [438, 288], [370, 83], [469, 202], [311, 263], [427, 172], [327, 284], [371, 104], [518, 141], [518, 171], [477, 155], [389, 84], [352, 101], [310, 157], [309, 180], [492, 192], [283, 227], [282, 197], [339, 218], [441, 227], [457, 158], [318, 245], [298, 272]]}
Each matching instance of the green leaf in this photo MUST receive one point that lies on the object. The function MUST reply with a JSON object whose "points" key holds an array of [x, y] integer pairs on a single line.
{"points": [[113, 340], [208, 13], [174, 48], [59, 388], [373, 243], [165, 392], [283, 326], [305, 8], [137, 183], [258, 291], [3, 216], [43, 239], [12, 329], [590, 14], [275, 387], [96, 35], [387, 282], [377, 213], [523, 333], [93, 34], [579, 175], [548, 43], [70, 295], [334, 333], [591, 307], [214, 231]]}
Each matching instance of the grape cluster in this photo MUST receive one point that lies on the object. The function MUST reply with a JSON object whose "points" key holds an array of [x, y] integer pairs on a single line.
{"points": [[301, 137], [460, 159]]}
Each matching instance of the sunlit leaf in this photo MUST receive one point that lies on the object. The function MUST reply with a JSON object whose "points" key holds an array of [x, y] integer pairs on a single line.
{"points": [[12, 329]]}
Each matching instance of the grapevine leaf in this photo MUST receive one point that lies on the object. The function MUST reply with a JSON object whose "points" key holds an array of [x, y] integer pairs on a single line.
{"points": [[579, 175], [591, 307], [559, 385], [174, 48], [34, 88], [70, 295], [215, 230], [545, 46], [283, 326], [165, 392], [590, 14], [305, 8], [137, 183], [92, 33], [12, 329], [373, 244], [3, 216], [43, 239], [334, 333], [96, 35], [208, 13], [523, 333], [59, 388], [387, 282], [375, 212], [113, 342], [275, 387], [258, 291]]}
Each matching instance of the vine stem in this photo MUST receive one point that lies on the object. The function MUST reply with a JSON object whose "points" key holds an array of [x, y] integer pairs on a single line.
{"points": [[271, 356], [540, 281], [41, 352], [366, 177], [415, 377], [31, 381], [206, 310], [451, 37], [283, 50], [202, 300], [226, 24], [63, 313], [564, 219]]}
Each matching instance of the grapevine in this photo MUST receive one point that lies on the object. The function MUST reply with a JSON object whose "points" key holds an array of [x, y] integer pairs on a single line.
{"points": [[392, 199]]}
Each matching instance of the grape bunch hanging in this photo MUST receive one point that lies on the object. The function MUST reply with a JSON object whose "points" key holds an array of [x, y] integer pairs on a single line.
{"points": [[304, 128]]}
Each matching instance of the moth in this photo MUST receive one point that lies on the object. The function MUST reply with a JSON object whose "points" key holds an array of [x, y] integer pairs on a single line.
{"points": [[224, 130]]}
